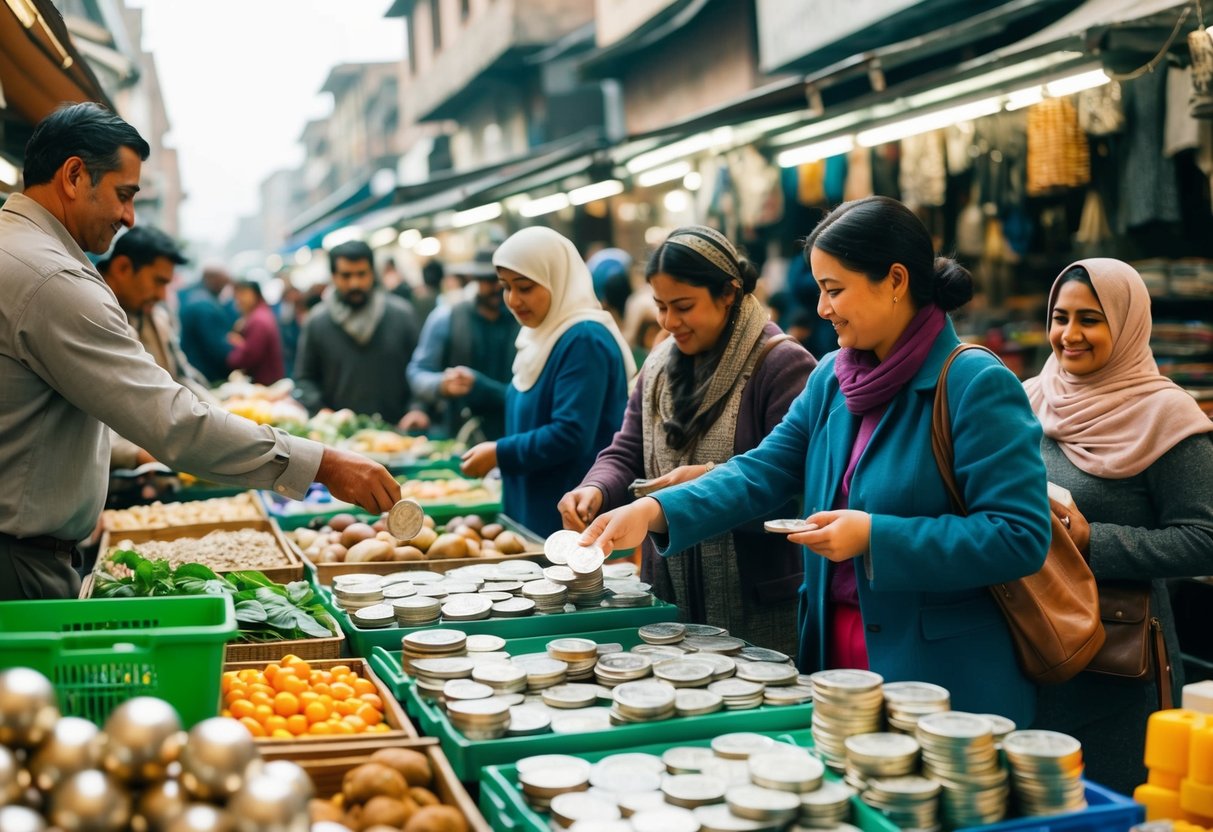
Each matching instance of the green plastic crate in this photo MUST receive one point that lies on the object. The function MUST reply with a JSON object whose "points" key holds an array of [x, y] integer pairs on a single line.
{"points": [[363, 641], [468, 757], [506, 809], [101, 652]]}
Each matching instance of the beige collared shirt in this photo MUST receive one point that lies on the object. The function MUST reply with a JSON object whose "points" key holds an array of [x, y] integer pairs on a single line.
{"points": [[69, 366]]}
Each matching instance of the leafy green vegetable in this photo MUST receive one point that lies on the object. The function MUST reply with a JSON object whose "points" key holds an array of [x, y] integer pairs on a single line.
{"points": [[265, 611]]}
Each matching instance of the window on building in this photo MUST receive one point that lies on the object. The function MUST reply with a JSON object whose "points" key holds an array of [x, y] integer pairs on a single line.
{"points": [[436, 25]]}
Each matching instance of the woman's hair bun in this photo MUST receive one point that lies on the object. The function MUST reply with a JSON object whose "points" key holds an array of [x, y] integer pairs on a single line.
{"points": [[749, 275], [952, 287]]}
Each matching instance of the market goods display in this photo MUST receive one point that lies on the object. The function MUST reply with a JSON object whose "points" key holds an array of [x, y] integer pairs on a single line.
{"points": [[346, 539], [292, 698], [449, 490], [139, 771], [195, 512], [1179, 755], [223, 550], [265, 610]]}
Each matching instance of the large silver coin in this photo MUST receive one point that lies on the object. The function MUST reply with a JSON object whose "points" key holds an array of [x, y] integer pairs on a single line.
{"points": [[499, 674], [881, 745], [705, 630], [575, 806], [736, 688], [562, 575], [633, 760], [466, 607], [623, 779], [757, 803], [632, 803], [791, 770], [560, 545], [665, 819], [696, 702], [955, 725], [625, 663], [492, 707], [405, 519], [570, 696], [583, 721], [741, 744], [1046, 744], [484, 643], [528, 719], [543, 589], [715, 644], [560, 762], [514, 606], [586, 561], [690, 790], [645, 696], [762, 654], [463, 689], [767, 673], [431, 639], [683, 672], [855, 681], [720, 818], [448, 668], [686, 759], [575, 648], [663, 632]]}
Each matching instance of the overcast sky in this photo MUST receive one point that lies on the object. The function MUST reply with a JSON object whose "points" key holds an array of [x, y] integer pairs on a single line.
{"points": [[241, 77]]}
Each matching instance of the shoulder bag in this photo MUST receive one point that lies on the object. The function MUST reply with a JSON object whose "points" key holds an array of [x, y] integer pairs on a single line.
{"points": [[1053, 615]]}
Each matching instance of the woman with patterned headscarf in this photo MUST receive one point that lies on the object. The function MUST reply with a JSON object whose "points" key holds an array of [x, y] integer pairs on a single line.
{"points": [[1134, 451], [570, 381], [723, 380]]}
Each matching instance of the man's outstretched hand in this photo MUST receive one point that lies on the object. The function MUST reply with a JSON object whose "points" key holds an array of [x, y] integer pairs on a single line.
{"points": [[352, 478]]}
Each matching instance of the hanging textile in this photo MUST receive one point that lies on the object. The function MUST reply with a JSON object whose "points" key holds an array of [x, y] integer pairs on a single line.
{"points": [[1058, 155]]}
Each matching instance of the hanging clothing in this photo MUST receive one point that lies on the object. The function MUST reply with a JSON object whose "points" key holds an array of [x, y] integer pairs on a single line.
{"points": [[1058, 155], [1148, 187], [923, 176], [859, 174]]}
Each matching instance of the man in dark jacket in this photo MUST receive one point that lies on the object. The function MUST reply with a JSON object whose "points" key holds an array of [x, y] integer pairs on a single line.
{"points": [[356, 344], [205, 323]]}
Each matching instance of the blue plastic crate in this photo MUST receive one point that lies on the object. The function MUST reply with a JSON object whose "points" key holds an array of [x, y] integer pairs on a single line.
{"points": [[1106, 811]]}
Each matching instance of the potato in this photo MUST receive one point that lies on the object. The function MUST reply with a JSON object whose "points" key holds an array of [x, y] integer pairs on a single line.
{"points": [[473, 547], [490, 531], [424, 539], [339, 522], [453, 523], [474, 521], [466, 531], [488, 547], [428, 522], [372, 780], [333, 553], [449, 546], [413, 765], [379, 525], [387, 811], [509, 543], [403, 553], [437, 819], [356, 533], [321, 810], [424, 797], [304, 538], [370, 550]]}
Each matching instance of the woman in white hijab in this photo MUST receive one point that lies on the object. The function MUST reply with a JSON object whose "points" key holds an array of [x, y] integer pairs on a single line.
{"points": [[570, 381]]}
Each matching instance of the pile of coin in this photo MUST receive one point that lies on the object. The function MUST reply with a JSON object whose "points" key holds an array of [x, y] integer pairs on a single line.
{"points": [[374, 617], [910, 802], [643, 701], [846, 702], [580, 654], [738, 694], [480, 719], [1047, 769], [663, 632], [356, 592], [432, 674], [616, 668], [685, 673], [958, 752], [542, 671], [503, 677], [577, 568], [547, 597], [770, 674], [906, 702], [743, 783], [431, 644], [466, 607], [417, 611], [696, 702], [879, 755]]}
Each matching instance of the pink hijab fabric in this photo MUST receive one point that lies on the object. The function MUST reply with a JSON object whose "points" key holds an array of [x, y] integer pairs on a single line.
{"points": [[1114, 423]]}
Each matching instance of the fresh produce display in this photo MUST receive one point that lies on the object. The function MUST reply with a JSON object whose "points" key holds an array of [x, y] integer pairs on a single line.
{"points": [[272, 405], [376, 441], [450, 490], [221, 550], [163, 515], [290, 699], [140, 771], [393, 790], [265, 611], [346, 539]]}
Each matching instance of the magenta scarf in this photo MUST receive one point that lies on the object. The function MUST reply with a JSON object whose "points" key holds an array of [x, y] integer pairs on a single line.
{"points": [[869, 384]]}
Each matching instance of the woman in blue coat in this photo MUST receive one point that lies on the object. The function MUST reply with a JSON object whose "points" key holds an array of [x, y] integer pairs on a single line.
{"points": [[571, 373], [894, 580]]}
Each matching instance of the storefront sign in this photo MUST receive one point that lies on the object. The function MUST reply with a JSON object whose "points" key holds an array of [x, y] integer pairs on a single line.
{"points": [[789, 31]]}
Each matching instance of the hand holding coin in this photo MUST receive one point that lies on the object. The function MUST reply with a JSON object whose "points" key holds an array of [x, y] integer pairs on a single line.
{"points": [[836, 535], [579, 507]]}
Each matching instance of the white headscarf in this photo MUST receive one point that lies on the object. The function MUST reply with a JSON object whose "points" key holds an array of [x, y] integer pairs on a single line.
{"points": [[544, 256]]}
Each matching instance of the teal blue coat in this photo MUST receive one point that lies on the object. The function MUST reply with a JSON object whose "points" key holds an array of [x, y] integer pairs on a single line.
{"points": [[923, 584]]}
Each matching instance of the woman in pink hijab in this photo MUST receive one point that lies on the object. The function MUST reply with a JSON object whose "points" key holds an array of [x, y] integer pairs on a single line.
{"points": [[1135, 452]]}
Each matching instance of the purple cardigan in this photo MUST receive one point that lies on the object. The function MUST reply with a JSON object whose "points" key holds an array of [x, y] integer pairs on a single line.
{"points": [[770, 568]]}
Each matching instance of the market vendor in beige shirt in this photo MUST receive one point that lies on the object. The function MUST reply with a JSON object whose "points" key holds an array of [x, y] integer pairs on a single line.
{"points": [[69, 366]]}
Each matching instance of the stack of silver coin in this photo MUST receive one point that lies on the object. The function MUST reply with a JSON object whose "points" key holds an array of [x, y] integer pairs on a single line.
{"points": [[1002, 727], [620, 598], [827, 806], [910, 802], [513, 607], [684, 673], [463, 690], [879, 755], [417, 611], [770, 807], [544, 777], [578, 568], [906, 702], [573, 808], [958, 751], [502, 677], [695, 702], [663, 632], [693, 790], [1047, 769], [643, 701], [480, 719], [432, 644], [616, 668], [548, 596], [570, 696], [770, 674], [580, 654], [352, 596], [725, 645], [431, 675], [797, 694], [542, 671], [738, 694], [741, 745], [466, 607], [846, 702], [374, 617], [786, 769]]}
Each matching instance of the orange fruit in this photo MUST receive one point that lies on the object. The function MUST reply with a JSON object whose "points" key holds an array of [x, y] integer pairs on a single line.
{"points": [[345, 707], [259, 697], [342, 691], [296, 724], [320, 728], [262, 712], [302, 669], [253, 726], [380, 728], [294, 685], [356, 722], [242, 708], [275, 722], [226, 680], [236, 692], [257, 686], [281, 677], [307, 697], [342, 727], [282, 734], [339, 669], [321, 688], [271, 670], [369, 715], [373, 700], [315, 712], [326, 700], [362, 686], [286, 704]]}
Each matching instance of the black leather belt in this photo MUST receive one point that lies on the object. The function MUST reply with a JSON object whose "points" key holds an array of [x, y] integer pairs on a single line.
{"points": [[52, 544]]}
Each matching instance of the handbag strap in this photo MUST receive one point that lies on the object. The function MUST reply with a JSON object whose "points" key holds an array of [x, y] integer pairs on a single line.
{"points": [[941, 429]]}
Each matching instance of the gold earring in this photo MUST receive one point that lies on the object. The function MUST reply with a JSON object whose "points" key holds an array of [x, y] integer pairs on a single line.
{"points": [[895, 298]]}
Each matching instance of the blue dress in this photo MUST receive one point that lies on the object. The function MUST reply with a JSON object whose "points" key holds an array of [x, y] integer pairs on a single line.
{"points": [[555, 430], [923, 585]]}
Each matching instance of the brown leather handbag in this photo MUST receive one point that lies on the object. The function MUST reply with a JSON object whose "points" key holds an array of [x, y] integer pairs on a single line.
{"points": [[1053, 615], [1135, 649]]}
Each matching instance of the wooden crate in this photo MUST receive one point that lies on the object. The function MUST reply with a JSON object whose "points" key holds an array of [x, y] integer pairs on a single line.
{"points": [[264, 652], [327, 769], [252, 495], [290, 570], [402, 729]]}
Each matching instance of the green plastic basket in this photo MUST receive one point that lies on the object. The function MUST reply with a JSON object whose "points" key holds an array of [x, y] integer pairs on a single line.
{"points": [[101, 652]]}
